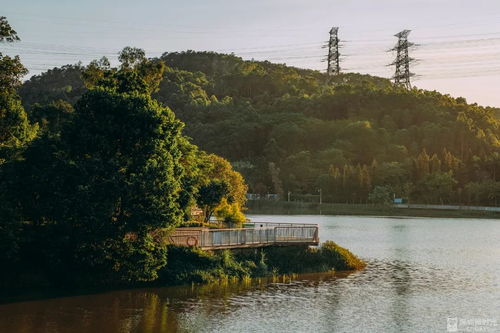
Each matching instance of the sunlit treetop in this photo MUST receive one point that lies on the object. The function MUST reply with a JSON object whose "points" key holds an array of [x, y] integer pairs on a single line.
{"points": [[7, 34]]}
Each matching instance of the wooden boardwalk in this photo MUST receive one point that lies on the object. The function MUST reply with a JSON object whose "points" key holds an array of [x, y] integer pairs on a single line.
{"points": [[255, 235]]}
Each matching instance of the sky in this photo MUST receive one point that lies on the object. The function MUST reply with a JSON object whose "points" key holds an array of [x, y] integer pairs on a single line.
{"points": [[458, 41]]}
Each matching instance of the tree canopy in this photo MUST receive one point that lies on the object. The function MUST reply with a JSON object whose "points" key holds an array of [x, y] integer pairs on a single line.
{"points": [[15, 128], [7, 34]]}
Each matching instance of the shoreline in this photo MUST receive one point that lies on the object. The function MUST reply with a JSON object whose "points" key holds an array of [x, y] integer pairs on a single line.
{"points": [[37, 295], [196, 267], [301, 208]]}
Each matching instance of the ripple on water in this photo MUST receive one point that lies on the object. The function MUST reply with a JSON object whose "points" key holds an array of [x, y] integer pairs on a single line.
{"points": [[389, 296]]}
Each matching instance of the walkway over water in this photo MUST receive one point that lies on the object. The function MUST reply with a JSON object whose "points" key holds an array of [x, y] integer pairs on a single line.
{"points": [[254, 235]]}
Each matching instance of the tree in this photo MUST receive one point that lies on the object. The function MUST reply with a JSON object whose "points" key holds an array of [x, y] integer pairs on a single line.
{"points": [[7, 34], [211, 195], [435, 188], [394, 176], [220, 169], [274, 172], [485, 193], [381, 195], [130, 57], [52, 118], [15, 130], [224, 188], [136, 73], [11, 72], [64, 83], [11, 69], [106, 186]]}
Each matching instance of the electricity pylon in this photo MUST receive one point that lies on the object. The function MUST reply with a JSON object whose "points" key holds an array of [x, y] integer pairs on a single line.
{"points": [[333, 59], [402, 74]]}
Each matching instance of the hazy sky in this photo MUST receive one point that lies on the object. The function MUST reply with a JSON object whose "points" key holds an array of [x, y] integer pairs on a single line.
{"points": [[459, 50]]}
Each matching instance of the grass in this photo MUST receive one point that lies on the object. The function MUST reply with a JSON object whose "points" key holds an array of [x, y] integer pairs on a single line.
{"points": [[192, 265]]}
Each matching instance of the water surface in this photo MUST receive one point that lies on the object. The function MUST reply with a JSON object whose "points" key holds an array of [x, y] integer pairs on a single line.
{"points": [[420, 272]]}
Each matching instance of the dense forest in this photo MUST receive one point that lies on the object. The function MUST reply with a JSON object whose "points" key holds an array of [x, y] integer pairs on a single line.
{"points": [[356, 137]]}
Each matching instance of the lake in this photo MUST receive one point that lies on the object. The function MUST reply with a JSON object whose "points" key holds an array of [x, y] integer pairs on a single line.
{"points": [[423, 275]]}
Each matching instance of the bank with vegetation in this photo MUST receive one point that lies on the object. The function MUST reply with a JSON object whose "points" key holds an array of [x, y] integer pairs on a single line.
{"points": [[313, 208], [195, 265]]}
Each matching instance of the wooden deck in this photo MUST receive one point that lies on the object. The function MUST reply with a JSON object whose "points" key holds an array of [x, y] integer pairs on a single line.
{"points": [[253, 235]]}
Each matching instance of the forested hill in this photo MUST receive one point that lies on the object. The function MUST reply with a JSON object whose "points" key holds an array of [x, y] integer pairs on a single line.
{"points": [[286, 129]]}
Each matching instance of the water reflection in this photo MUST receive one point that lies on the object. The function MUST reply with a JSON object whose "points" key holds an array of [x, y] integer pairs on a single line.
{"points": [[400, 278]]}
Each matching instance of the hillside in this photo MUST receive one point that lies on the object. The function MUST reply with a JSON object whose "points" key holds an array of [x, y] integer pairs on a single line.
{"points": [[287, 129]]}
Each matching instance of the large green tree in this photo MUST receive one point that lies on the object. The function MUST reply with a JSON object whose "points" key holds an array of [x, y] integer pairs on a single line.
{"points": [[15, 129], [96, 197], [222, 190], [15, 133]]}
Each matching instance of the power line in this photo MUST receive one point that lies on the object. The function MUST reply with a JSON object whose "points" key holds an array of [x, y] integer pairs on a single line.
{"points": [[462, 62]]}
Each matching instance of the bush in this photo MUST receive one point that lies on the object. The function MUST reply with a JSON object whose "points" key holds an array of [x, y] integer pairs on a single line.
{"points": [[340, 258], [380, 195], [190, 264], [304, 259]]}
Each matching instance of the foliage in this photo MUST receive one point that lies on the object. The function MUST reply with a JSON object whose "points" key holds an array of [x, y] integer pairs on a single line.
{"points": [[435, 187], [221, 169], [15, 128], [11, 72], [116, 172], [194, 265], [211, 195], [109, 171], [7, 34], [230, 213], [286, 130], [339, 257], [485, 191], [63, 83], [187, 264], [130, 57], [222, 190], [52, 118], [380, 195], [303, 259]]}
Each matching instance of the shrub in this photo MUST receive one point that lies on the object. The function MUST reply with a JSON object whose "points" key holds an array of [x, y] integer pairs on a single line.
{"points": [[339, 258]]}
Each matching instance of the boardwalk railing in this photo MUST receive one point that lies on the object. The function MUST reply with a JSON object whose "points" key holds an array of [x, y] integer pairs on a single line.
{"points": [[262, 234]]}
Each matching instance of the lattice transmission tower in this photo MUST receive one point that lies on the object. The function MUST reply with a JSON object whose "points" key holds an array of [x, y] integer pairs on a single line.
{"points": [[402, 75], [333, 58]]}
